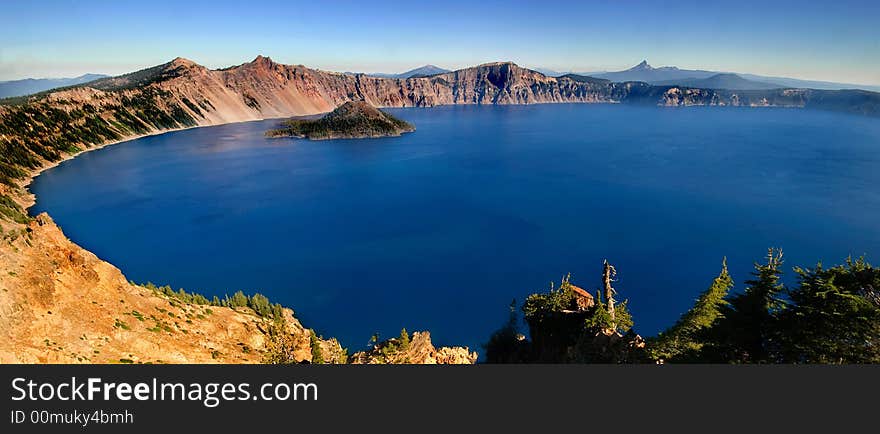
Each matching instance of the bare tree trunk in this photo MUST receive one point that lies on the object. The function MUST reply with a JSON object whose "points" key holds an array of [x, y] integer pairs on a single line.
{"points": [[608, 274]]}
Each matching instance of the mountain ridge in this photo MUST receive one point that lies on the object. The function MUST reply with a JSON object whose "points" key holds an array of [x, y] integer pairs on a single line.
{"points": [[643, 71], [422, 71], [28, 86], [720, 81], [665, 75], [329, 89]]}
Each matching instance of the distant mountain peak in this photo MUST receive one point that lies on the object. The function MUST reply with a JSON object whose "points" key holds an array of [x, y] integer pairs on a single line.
{"points": [[89, 77], [181, 61], [263, 62], [423, 71], [499, 63], [262, 59], [178, 66], [643, 66], [722, 80]]}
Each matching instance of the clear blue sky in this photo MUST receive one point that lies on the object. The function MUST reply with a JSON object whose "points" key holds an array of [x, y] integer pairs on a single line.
{"points": [[826, 40]]}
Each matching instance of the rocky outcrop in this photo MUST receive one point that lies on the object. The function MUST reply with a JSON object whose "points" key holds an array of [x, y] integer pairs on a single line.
{"points": [[417, 350]]}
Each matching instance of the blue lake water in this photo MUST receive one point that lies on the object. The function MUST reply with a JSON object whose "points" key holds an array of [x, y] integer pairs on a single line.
{"points": [[441, 228]]}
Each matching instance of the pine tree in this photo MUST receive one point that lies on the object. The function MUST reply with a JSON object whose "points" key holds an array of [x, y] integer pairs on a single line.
{"points": [[238, 300], [834, 315], [683, 340], [506, 345], [315, 344], [280, 345], [746, 331], [404, 339]]}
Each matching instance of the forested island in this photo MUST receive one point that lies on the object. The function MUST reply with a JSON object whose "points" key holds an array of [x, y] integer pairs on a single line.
{"points": [[352, 120]]}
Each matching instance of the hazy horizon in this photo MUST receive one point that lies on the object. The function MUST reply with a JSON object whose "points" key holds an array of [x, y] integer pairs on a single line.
{"points": [[825, 41]]}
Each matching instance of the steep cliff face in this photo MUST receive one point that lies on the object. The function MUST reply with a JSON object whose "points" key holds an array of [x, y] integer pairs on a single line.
{"points": [[264, 89]]}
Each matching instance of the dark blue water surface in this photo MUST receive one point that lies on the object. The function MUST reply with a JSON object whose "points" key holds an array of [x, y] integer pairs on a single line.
{"points": [[441, 228]]}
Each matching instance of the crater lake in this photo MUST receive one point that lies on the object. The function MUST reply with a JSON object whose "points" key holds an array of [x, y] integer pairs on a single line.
{"points": [[441, 228]]}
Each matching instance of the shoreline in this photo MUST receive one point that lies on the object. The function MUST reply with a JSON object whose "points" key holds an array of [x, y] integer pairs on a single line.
{"points": [[28, 199]]}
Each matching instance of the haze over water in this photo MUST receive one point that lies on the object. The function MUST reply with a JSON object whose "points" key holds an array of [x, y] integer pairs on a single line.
{"points": [[441, 228]]}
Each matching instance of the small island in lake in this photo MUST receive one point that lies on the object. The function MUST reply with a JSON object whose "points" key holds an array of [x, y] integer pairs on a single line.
{"points": [[352, 120]]}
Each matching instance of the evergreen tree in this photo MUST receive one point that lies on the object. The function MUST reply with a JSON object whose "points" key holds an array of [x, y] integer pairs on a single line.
{"points": [[683, 341], [404, 339], [280, 346], [552, 328], [563, 332], [745, 330], [601, 319], [238, 300], [315, 344], [507, 345], [260, 305], [834, 315]]}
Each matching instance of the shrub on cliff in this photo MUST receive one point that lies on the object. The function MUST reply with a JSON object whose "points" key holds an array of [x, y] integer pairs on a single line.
{"points": [[259, 303], [11, 210], [280, 345]]}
